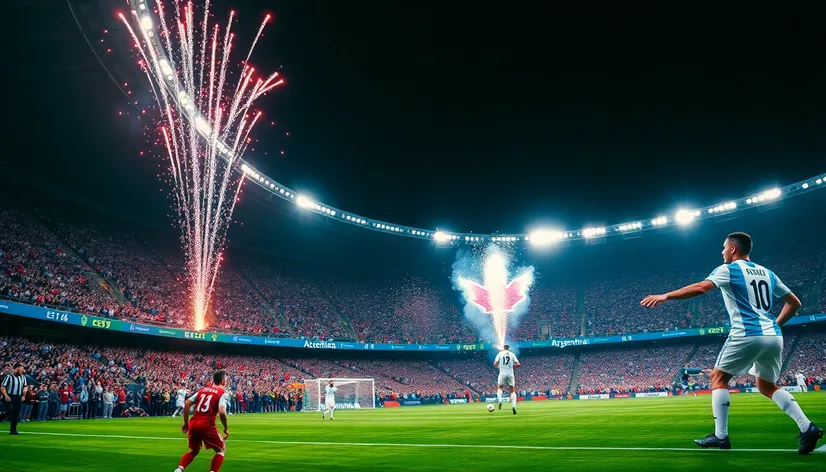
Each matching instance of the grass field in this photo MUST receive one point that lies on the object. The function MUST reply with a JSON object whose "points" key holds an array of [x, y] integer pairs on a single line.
{"points": [[621, 434]]}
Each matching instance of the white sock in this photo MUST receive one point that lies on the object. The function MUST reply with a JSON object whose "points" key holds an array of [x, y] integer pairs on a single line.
{"points": [[499, 395], [513, 400], [331, 414], [720, 403], [789, 405]]}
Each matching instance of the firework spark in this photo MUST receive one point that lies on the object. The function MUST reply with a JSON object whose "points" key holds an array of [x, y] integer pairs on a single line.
{"points": [[205, 126], [497, 297]]}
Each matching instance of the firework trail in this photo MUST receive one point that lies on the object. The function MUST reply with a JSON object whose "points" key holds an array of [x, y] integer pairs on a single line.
{"points": [[497, 301], [205, 128]]}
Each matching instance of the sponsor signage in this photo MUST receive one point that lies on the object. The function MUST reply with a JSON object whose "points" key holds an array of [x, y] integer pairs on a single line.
{"points": [[457, 401], [650, 394], [600, 396], [348, 406], [56, 316], [622, 395], [105, 324], [90, 321]]}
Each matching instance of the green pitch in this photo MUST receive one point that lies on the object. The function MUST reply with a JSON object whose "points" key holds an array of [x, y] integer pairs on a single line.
{"points": [[562, 435]]}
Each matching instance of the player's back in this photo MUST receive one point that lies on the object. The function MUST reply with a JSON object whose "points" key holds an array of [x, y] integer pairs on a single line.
{"points": [[506, 360], [748, 291], [207, 402]]}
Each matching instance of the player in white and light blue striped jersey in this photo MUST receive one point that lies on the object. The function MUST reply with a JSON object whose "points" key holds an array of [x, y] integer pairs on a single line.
{"points": [[748, 290], [755, 342]]}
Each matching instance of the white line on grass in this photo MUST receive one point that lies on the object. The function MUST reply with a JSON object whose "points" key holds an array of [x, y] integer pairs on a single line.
{"points": [[464, 446]]}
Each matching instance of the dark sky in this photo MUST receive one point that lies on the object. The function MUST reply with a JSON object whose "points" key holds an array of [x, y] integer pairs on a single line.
{"points": [[460, 115]]}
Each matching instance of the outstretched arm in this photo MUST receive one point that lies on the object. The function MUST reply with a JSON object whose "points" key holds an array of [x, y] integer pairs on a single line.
{"points": [[689, 291]]}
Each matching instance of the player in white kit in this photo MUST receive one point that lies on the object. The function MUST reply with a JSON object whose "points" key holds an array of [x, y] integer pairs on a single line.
{"points": [[505, 362], [755, 342], [801, 382], [180, 400], [329, 400]]}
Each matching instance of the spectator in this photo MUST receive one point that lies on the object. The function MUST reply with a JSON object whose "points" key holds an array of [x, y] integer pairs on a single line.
{"points": [[108, 403], [42, 403]]}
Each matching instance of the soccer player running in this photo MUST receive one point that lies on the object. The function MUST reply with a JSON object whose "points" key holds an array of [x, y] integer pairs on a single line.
{"points": [[209, 402], [755, 341], [505, 361], [801, 382], [180, 401], [329, 400]]}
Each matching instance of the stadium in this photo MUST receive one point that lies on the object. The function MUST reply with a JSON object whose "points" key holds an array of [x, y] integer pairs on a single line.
{"points": [[118, 304]]}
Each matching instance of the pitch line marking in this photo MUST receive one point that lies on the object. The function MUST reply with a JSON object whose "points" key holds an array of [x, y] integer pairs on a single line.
{"points": [[463, 446]]}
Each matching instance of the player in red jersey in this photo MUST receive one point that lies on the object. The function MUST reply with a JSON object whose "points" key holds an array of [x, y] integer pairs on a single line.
{"points": [[209, 402]]}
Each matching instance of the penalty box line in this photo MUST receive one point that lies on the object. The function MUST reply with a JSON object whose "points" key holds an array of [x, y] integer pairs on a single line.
{"points": [[419, 445]]}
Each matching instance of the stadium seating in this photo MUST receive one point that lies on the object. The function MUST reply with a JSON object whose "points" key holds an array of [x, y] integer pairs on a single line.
{"points": [[100, 265], [152, 372]]}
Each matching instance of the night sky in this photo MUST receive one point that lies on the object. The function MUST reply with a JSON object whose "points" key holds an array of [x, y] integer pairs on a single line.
{"points": [[458, 115]]}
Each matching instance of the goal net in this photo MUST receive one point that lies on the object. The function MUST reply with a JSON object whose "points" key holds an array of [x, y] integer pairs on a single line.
{"points": [[350, 393]]}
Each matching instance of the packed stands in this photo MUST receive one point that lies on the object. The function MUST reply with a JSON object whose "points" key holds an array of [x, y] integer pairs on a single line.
{"points": [[97, 264], [631, 370], [144, 381]]}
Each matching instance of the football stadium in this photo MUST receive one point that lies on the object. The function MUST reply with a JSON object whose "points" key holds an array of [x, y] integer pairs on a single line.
{"points": [[317, 235]]}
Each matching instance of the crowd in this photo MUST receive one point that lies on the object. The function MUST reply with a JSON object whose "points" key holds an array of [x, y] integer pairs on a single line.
{"points": [[106, 382], [630, 370], [95, 264], [809, 359]]}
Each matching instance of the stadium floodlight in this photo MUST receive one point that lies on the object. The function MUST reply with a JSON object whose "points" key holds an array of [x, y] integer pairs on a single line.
{"points": [[304, 202], [203, 126], [146, 23], [805, 186], [659, 221], [771, 194], [441, 236], [593, 232], [166, 68], [544, 237], [632, 226], [819, 181], [684, 217]]}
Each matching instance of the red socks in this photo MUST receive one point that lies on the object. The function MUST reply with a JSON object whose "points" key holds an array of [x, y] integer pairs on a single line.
{"points": [[217, 462], [187, 459]]}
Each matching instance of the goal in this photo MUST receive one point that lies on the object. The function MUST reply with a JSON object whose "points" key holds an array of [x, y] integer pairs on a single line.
{"points": [[350, 393]]}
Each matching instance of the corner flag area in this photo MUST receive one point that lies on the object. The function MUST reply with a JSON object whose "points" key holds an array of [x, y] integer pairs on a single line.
{"points": [[618, 434]]}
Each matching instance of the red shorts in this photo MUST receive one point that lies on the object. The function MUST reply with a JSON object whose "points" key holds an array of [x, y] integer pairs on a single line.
{"points": [[204, 433]]}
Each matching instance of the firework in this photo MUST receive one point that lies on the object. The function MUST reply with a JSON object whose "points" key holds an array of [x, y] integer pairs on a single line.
{"points": [[205, 125], [497, 297]]}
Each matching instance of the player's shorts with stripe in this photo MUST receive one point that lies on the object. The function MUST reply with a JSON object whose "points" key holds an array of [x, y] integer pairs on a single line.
{"points": [[506, 379], [204, 433], [761, 356]]}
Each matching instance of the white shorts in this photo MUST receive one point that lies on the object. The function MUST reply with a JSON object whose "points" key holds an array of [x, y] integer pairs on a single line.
{"points": [[760, 356], [179, 405], [506, 379], [331, 404]]}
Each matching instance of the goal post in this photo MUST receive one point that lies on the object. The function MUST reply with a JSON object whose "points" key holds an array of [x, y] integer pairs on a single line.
{"points": [[350, 393]]}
